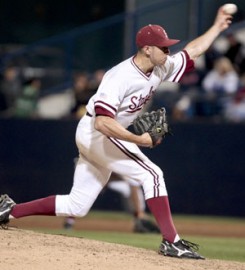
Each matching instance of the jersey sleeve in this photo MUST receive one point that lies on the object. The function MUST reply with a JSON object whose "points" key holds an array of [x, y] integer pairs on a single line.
{"points": [[177, 65], [109, 95]]}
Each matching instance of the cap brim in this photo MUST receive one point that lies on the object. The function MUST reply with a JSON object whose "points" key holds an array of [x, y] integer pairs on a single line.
{"points": [[168, 43]]}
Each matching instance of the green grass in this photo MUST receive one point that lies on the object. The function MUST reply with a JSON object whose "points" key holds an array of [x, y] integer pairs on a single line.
{"points": [[211, 247], [222, 248]]}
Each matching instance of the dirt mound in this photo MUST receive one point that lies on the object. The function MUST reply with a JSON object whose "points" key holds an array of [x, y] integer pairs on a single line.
{"points": [[22, 249]]}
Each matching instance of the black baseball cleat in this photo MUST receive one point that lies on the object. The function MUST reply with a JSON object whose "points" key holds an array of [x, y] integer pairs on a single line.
{"points": [[6, 205], [180, 249]]}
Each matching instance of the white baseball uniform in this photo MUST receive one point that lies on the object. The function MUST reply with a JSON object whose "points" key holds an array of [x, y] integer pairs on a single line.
{"points": [[122, 94]]}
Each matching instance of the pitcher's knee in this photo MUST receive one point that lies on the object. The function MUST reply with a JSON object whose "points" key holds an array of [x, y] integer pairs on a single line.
{"points": [[70, 205], [79, 209]]}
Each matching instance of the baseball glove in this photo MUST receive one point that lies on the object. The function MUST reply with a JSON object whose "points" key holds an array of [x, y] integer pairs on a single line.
{"points": [[155, 123]]}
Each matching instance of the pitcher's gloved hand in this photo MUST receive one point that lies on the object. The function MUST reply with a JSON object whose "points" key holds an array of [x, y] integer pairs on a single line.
{"points": [[155, 123]]}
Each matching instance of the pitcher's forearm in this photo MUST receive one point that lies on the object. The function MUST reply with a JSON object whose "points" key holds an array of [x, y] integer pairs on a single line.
{"points": [[198, 46]]}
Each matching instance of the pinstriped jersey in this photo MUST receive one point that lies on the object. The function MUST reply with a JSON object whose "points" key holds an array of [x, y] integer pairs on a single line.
{"points": [[125, 89]]}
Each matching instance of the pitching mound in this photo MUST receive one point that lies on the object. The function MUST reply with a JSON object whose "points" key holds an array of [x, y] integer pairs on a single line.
{"points": [[22, 249]]}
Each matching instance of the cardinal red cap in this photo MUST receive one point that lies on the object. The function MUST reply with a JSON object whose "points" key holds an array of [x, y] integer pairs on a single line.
{"points": [[154, 35]]}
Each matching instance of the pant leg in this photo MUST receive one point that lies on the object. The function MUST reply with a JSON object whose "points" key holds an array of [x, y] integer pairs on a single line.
{"points": [[125, 159], [89, 180]]}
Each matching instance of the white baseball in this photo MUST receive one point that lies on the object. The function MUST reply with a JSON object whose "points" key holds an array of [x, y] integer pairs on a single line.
{"points": [[230, 8]]}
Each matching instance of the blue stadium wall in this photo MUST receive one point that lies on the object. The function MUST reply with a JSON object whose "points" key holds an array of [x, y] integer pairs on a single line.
{"points": [[203, 164]]}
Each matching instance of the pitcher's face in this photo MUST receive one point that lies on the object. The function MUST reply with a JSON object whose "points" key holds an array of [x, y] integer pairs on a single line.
{"points": [[158, 56]]}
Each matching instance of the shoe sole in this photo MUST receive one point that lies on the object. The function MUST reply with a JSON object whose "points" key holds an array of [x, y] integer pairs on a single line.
{"points": [[180, 257]]}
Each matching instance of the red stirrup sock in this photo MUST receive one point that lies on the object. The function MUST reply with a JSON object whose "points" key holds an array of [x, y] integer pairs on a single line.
{"points": [[45, 206], [160, 209]]}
